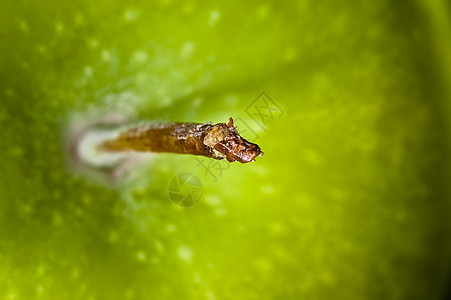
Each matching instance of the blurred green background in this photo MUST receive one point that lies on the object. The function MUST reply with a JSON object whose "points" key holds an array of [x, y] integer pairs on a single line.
{"points": [[350, 200]]}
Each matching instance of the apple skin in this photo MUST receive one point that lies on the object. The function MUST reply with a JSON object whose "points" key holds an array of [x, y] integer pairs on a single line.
{"points": [[350, 201]]}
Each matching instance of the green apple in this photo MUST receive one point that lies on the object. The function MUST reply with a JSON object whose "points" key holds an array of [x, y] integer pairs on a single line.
{"points": [[350, 201]]}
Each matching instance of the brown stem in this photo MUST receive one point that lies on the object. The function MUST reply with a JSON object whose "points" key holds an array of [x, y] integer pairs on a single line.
{"points": [[216, 141]]}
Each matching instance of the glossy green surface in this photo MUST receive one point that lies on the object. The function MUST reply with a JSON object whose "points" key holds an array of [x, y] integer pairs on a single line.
{"points": [[349, 201]]}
